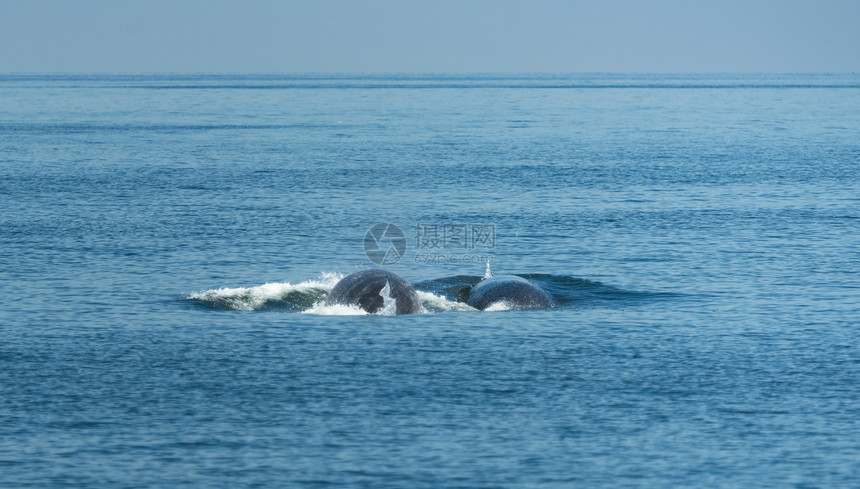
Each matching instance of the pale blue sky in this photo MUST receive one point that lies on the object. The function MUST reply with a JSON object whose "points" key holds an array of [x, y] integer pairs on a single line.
{"points": [[433, 36]]}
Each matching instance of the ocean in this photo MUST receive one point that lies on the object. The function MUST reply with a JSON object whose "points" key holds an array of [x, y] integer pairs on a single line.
{"points": [[167, 243]]}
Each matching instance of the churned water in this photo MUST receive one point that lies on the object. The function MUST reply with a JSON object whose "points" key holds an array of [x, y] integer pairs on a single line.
{"points": [[167, 243]]}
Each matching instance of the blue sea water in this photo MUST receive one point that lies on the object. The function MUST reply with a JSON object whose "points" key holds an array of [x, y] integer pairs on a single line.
{"points": [[167, 243]]}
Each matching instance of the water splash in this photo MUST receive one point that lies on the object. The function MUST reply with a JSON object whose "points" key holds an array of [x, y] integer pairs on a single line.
{"points": [[489, 272], [389, 304], [277, 296], [500, 306], [432, 303], [324, 309]]}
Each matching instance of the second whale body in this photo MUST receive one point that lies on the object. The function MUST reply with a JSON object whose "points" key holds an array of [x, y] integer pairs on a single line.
{"points": [[515, 292]]}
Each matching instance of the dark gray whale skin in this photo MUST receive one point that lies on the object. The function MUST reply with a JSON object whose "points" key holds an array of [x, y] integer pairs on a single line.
{"points": [[517, 292], [363, 289]]}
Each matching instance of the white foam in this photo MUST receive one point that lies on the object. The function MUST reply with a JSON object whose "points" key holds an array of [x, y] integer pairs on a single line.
{"points": [[324, 309], [252, 298], [499, 306], [434, 303]]}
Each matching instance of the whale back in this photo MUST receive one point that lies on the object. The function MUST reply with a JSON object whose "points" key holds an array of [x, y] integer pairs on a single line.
{"points": [[515, 291], [364, 290]]}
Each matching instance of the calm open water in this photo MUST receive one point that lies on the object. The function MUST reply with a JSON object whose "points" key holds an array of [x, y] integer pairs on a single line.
{"points": [[166, 243]]}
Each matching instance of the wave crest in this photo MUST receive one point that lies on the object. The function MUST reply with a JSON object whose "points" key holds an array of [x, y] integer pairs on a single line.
{"points": [[270, 296]]}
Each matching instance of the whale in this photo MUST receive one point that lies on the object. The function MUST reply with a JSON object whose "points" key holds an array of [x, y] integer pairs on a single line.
{"points": [[372, 289], [516, 292]]}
